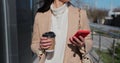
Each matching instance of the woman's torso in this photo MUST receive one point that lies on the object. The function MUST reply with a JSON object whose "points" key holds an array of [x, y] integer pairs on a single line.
{"points": [[71, 54]]}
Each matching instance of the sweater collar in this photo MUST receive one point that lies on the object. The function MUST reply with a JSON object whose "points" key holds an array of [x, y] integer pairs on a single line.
{"points": [[60, 10]]}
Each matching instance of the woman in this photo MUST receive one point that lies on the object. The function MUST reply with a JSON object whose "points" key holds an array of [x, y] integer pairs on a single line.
{"points": [[64, 20]]}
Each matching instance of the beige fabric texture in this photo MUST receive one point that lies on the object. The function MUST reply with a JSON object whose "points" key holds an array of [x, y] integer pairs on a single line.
{"points": [[42, 24]]}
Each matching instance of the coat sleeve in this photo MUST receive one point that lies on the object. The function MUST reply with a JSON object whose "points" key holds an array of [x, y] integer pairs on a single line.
{"points": [[36, 37], [85, 25]]}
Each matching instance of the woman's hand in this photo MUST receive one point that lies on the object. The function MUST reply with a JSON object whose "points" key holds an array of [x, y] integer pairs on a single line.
{"points": [[77, 41], [45, 43]]}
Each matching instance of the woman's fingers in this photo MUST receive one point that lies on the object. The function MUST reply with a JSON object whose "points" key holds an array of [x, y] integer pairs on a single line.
{"points": [[77, 41], [45, 47], [43, 38], [72, 41], [45, 43], [81, 38]]}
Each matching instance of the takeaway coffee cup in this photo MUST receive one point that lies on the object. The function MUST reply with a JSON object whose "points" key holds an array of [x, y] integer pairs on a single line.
{"points": [[50, 35]]}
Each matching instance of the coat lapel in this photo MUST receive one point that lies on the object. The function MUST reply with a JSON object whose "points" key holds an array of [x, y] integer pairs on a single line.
{"points": [[45, 22], [73, 21]]}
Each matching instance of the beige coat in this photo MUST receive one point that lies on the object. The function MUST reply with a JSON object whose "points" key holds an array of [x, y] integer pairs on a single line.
{"points": [[42, 24]]}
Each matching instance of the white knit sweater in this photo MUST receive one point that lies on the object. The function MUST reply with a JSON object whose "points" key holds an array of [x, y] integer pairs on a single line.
{"points": [[59, 26]]}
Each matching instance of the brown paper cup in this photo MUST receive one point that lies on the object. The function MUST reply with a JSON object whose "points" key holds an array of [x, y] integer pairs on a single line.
{"points": [[51, 49]]}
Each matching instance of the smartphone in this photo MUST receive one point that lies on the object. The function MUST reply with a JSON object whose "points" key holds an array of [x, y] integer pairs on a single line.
{"points": [[82, 33]]}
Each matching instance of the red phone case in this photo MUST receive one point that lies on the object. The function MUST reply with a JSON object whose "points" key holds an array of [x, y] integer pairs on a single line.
{"points": [[82, 33]]}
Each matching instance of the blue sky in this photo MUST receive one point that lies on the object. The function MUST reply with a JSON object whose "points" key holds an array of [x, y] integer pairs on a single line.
{"points": [[104, 3], [100, 3]]}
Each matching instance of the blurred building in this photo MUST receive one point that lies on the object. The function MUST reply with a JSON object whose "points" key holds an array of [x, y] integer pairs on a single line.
{"points": [[113, 19], [16, 21], [1, 35]]}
